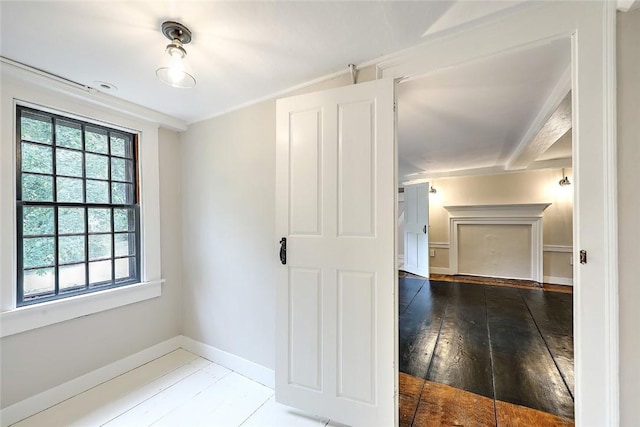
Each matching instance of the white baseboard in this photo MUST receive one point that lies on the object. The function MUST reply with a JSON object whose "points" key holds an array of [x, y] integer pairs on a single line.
{"points": [[558, 280], [439, 270], [242, 366], [53, 396], [48, 398]]}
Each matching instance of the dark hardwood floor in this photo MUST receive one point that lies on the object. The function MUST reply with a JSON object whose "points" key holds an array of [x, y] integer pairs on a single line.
{"points": [[509, 346]]}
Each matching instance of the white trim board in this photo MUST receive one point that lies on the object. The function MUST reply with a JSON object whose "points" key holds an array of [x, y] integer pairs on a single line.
{"points": [[439, 245], [440, 270], [591, 26], [545, 248], [47, 313], [88, 94], [558, 248], [245, 367], [48, 398], [567, 281], [497, 215]]}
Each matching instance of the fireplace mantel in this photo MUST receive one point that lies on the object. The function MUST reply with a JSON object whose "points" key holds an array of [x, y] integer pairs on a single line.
{"points": [[498, 211], [527, 214]]}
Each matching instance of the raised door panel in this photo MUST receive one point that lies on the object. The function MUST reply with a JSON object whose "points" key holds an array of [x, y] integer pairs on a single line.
{"points": [[305, 328], [356, 172], [305, 173], [356, 336]]}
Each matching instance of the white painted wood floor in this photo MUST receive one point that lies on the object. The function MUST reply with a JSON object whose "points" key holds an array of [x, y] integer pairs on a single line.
{"points": [[178, 389]]}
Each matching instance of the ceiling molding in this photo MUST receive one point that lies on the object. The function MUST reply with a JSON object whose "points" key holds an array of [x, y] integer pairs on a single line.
{"points": [[494, 170], [290, 90], [566, 162], [88, 94], [278, 94], [530, 146], [627, 5]]}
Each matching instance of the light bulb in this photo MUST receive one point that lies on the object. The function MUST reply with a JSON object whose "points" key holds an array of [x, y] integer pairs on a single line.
{"points": [[174, 71]]}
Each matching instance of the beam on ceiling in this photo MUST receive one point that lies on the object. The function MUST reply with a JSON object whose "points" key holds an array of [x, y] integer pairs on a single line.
{"points": [[494, 170], [627, 5], [553, 121]]}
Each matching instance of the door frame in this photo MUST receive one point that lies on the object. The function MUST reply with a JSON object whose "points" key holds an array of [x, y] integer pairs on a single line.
{"points": [[592, 29]]}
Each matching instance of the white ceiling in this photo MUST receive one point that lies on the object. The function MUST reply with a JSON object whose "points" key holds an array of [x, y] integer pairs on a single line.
{"points": [[468, 117], [475, 116], [241, 51]]}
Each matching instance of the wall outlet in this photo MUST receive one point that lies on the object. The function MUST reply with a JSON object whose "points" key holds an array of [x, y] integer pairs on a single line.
{"points": [[432, 252]]}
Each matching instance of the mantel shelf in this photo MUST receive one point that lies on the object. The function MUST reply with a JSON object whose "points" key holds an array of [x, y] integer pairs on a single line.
{"points": [[498, 211]]}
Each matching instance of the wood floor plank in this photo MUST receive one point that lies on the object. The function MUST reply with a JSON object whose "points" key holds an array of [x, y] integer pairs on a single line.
{"points": [[462, 357], [493, 281], [524, 372], [228, 402], [510, 415], [275, 414], [419, 326], [443, 405], [101, 403], [407, 290], [553, 314], [161, 404], [410, 389]]}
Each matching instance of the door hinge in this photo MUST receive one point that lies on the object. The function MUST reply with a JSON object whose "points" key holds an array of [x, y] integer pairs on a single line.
{"points": [[394, 107]]}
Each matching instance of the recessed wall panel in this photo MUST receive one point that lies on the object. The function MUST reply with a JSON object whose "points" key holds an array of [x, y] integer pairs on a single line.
{"points": [[356, 336], [305, 166], [356, 169], [305, 320], [498, 250]]}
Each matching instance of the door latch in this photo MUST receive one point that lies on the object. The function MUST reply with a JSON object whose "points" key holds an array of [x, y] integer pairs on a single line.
{"points": [[583, 257], [283, 250]]}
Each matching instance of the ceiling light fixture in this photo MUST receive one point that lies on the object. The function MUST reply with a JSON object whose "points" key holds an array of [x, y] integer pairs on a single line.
{"points": [[432, 190], [564, 181], [175, 70]]}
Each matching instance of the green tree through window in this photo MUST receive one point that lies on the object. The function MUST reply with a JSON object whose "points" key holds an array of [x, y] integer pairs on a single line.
{"points": [[77, 208]]}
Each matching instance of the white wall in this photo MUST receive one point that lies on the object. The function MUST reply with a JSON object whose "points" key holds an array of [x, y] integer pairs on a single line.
{"points": [[228, 191], [230, 249], [629, 213], [34, 361]]}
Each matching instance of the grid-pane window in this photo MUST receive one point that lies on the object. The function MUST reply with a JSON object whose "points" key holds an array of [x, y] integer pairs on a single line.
{"points": [[77, 207]]}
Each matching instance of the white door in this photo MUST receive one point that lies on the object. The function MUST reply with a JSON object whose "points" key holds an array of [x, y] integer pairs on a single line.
{"points": [[416, 229], [335, 296]]}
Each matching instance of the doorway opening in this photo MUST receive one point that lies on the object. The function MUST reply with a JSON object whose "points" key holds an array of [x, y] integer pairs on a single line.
{"points": [[486, 335]]}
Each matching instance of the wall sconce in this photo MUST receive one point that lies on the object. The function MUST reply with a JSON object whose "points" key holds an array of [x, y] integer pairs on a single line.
{"points": [[564, 181], [432, 190], [175, 70]]}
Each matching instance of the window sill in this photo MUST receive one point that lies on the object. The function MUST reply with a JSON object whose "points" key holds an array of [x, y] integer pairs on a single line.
{"points": [[47, 313]]}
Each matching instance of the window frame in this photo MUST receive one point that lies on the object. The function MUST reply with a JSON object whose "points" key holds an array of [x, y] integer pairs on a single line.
{"points": [[24, 86], [137, 257]]}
